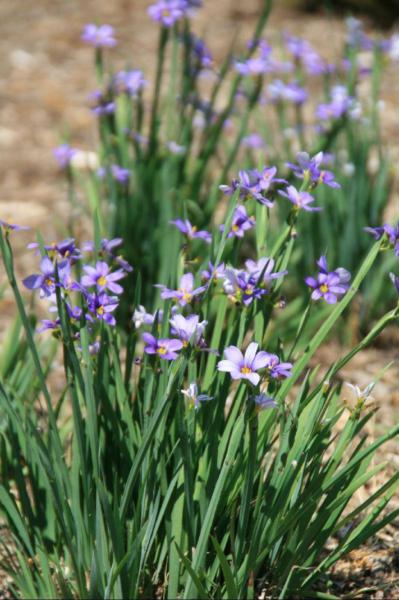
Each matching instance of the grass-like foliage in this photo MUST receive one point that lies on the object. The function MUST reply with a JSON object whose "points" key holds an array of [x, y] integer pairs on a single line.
{"points": [[194, 450]]}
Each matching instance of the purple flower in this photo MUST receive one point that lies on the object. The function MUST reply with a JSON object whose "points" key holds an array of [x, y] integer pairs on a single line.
{"points": [[120, 174], [131, 82], [191, 231], [390, 231], [310, 167], [188, 329], [213, 272], [102, 306], [259, 64], [254, 184], [99, 36], [168, 12], [300, 199], [277, 369], [101, 105], [63, 155], [291, 92], [303, 52], [263, 268], [240, 224], [48, 324], [101, 277], [340, 104], [164, 348], [244, 367], [64, 249], [263, 402], [241, 286], [106, 248], [328, 285], [45, 280], [254, 141], [185, 293], [193, 397], [201, 52], [355, 35], [7, 227]]}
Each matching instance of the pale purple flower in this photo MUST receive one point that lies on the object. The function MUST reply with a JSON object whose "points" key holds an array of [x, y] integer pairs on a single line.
{"points": [[7, 227], [277, 369], [99, 36], [340, 104], [254, 141], [328, 285], [356, 36], [101, 105], [201, 52], [258, 64], [213, 272], [64, 249], [131, 82], [63, 155], [186, 291], [254, 184], [120, 174], [240, 224], [390, 231], [165, 348], [264, 402], [312, 168], [191, 231], [247, 288], [300, 199], [168, 12], [395, 281], [302, 51], [244, 366], [263, 269], [393, 48], [287, 92], [49, 324], [193, 397], [188, 329], [101, 277], [142, 317], [175, 148]]}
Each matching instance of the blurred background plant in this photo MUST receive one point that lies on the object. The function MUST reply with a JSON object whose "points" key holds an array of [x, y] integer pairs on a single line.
{"points": [[164, 156]]}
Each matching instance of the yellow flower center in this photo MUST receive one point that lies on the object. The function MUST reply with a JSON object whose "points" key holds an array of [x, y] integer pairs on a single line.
{"points": [[100, 310], [245, 370], [248, 290], [324, 288], [187, 297], [234, 227], [165, 12], [161, 350], [102, 281], [48, 282], [185, 343]]}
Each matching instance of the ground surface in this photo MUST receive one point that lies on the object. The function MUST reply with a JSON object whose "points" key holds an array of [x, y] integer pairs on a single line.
{"points": [[45, 77]]}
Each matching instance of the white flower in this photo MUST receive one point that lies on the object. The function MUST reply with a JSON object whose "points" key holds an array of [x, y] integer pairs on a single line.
{"points": [[191, 393]]}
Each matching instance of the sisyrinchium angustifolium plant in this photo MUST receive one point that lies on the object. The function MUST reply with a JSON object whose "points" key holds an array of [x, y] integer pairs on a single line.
{"points": [[171, 438]]}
